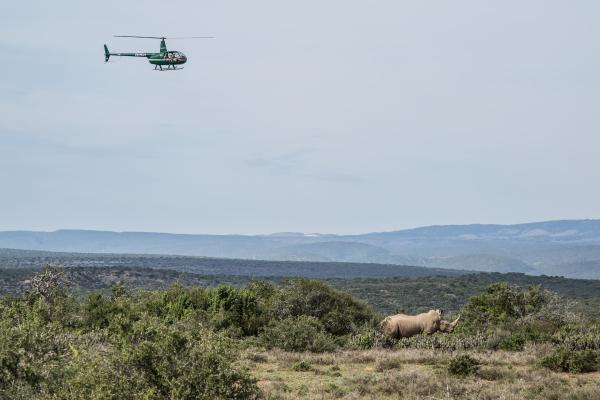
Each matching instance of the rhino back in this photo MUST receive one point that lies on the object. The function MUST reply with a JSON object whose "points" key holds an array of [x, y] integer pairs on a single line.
{"points": [[404, 325]]}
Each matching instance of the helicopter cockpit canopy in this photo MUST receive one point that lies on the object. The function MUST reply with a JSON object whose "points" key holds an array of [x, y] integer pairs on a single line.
{"points": [[175, 55]]}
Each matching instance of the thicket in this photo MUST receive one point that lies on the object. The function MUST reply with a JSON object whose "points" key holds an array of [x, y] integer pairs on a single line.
{"points": [[119, 346], [183, 342], [575, 361], [175, 343], [303, 333], [503, 317], [513, 316]]}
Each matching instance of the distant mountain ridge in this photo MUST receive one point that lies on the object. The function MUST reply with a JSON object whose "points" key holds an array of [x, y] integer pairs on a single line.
{"points": [[587, 229], [568, 247]]}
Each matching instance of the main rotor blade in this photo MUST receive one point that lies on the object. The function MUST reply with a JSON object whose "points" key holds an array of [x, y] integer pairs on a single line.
{"points": [[140, 37], [166, 37], [191, 37]]}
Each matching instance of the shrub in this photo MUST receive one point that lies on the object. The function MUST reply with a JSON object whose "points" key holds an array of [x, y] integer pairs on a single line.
{"points": [[339, 312], [122, 345], [181, 361], [98, 310], [565, 360], [34, 341], [32, 351], [514, 316], [515, 342], [302, 366], [445, 342], [578, 337], [298, 334], [370, 338], [463, 365], [499, 304], [235, 311], [235, 307], [50, 284]]}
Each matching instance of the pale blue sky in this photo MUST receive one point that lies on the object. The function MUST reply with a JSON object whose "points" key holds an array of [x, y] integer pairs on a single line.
{"points": [[314, 116]]}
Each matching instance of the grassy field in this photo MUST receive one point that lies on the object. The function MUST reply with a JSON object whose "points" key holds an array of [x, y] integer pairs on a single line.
{"points": [[413, 374]]}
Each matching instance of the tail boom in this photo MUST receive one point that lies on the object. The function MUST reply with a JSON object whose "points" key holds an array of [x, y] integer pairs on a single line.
{"points": [[107, 54]]}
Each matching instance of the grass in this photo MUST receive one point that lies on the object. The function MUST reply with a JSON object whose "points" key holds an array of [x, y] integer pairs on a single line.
{"points": [[413, 374]]}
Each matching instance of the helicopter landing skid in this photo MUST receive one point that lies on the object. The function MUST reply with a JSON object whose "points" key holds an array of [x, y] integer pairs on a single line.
{"points": [[169, 68]]}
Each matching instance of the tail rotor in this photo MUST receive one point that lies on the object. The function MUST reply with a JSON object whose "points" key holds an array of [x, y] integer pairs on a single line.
{"points": [[106, 54]]}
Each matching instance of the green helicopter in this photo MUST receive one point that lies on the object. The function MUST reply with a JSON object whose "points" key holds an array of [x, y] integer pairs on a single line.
{"points": [[170, 59]]}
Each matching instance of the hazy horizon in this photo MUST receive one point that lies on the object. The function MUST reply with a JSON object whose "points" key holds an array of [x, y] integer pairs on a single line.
{"points": [[295, 232], [340, 117]]}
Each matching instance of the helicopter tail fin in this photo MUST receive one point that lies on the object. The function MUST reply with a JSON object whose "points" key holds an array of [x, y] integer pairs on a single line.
{"points": [[106, 54]]}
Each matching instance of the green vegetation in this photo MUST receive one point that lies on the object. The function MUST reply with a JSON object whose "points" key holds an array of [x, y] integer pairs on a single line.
{"points": [[302, 365], [188, 342], [119, 346], [387, 295], [370, 338], [339, 312], [303, 333], [567, 360], [450, 293], [514, 316], [463, 365], [175, 343]]}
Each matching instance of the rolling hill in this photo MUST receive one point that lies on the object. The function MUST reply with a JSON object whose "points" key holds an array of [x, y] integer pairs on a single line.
{"points": [[569, 248]]}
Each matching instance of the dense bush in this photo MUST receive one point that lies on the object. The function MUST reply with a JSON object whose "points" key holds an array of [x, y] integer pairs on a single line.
{"points": [[566, 360], [501, 318], [119, 346], [339, 312], [579, 336], [234, 310], [506, 340], [498, 305], [182, 342], [463, 365], [179, 361], [32, 350], [530, 314], [303, 333]]}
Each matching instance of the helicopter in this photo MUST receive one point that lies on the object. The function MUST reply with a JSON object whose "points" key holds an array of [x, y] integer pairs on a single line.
{"points": [[165, 58]]}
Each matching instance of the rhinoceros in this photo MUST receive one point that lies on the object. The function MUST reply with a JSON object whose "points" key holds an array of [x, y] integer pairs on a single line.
{"points": [[401, 325]]}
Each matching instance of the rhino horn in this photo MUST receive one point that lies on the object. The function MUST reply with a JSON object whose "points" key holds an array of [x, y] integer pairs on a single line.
{"points": [[453, 324]]}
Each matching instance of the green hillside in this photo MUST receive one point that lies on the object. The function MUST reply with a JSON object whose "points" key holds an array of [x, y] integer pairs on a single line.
{"points": [[413, 294]]}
